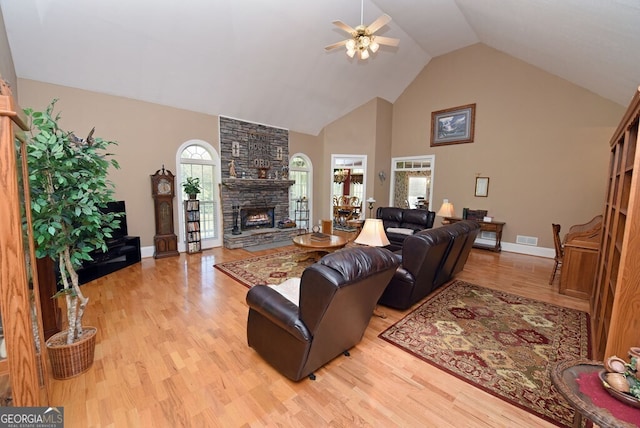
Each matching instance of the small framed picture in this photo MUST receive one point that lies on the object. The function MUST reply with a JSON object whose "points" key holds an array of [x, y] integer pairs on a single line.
{"points": [[453, 126], [482, 187]]}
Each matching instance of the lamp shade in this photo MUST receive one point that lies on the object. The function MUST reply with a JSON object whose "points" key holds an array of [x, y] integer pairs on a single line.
{"points": [[372, 234], [446, 210]]}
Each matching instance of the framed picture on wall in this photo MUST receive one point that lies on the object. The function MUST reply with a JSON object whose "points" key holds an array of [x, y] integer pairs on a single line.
{"points": [[482, 186], [453, 125]]}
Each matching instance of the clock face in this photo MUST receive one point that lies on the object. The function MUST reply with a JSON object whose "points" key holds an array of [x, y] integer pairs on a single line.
{"points": [[164, 187]]}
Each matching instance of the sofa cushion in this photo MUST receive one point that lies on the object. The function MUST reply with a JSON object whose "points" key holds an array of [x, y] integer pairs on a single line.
{"points": [[390, 216], [415, 219], [400, 230]]}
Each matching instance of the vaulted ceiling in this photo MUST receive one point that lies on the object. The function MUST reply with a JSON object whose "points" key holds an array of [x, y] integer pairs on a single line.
{"points": [[264, 60]]}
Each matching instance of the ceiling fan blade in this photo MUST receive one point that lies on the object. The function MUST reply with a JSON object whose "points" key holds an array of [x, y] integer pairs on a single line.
{"points": [[378, 23], [344, 27], [388, 41], [336, 45]]}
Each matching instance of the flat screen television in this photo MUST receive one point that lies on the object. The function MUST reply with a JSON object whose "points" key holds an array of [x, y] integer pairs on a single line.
{"points": [[120, 232]]}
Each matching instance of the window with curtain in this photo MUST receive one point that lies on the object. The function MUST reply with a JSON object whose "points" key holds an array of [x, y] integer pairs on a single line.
{"points": [[412, 181]]}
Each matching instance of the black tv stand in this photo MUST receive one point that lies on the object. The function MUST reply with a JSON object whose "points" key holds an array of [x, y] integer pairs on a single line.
{"points": [[120, 254]]}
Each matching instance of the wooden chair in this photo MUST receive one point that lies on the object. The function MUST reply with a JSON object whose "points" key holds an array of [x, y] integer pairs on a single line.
{"points": [[559, 251], [356, 207]]}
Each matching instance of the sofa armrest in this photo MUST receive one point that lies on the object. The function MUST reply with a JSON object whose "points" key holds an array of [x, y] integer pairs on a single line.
{"points": [[278, 309]]}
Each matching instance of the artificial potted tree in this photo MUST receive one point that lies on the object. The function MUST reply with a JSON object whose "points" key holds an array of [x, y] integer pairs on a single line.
{"points": [[69, 186], [192, 187]]}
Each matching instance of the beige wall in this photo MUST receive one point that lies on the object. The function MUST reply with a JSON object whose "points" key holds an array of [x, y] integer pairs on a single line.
{"points": [[383, 147], [311, 146], [148, 136], [541, 140], [364, 131]]}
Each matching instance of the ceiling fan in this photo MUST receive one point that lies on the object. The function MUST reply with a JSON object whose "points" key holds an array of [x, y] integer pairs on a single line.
{"points": [[362, 38]]}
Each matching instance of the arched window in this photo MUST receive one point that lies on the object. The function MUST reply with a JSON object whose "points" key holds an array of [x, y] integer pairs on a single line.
{"points": [[300, 170], [199, 159]]}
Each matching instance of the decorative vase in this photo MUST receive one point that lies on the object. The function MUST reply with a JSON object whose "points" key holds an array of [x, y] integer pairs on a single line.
{"points": [[68, 361], [193, 196]]}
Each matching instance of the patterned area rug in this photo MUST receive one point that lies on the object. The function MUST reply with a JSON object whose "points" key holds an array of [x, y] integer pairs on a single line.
{"points": [[270, 269], [501, 343]]}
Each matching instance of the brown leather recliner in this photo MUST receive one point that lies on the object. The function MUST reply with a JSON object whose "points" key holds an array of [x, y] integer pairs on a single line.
{"points": [[410, 220], [429, 258], [337, 297]]}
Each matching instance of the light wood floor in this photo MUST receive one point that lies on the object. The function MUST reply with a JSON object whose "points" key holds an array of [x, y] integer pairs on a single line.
{"points": [[172, 352]]}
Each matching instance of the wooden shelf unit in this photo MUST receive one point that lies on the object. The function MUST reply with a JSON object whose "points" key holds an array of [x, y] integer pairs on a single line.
{"points": [[614, 304], [302, 216], [24, 380], [192, 225]]}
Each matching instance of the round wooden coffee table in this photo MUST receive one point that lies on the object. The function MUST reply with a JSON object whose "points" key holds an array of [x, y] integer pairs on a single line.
{"points": [[317, 248]]}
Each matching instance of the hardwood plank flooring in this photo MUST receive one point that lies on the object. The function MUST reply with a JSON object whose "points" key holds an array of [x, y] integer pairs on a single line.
{"points": [[172, 352]]}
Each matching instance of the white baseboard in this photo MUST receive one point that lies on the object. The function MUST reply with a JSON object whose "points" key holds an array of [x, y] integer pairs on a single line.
{"points": [[522, 249], [146, 252], [506, 246]]}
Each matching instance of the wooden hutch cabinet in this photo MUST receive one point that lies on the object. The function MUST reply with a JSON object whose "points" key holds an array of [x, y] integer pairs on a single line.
{"points": [[615, 303], [23, 369]]}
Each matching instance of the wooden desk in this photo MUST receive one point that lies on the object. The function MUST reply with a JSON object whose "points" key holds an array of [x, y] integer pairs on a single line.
{"points": [[493, 226], [578, 269], [580, 259]]}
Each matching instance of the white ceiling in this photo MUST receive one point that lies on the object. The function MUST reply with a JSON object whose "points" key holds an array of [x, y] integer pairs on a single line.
{"points": [[263, 60]]}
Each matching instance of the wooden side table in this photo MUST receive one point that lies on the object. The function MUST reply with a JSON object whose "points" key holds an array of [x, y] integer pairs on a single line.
{"points": [[486, 226], [316, 249], [568, 376]]}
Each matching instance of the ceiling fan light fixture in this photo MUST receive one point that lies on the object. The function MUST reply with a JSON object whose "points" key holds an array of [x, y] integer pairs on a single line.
{"points": [[362, 37]]}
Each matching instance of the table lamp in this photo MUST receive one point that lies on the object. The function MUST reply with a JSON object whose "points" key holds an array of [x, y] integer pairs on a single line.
{"points": [[372, 234], [371, 201], [446, 210]]}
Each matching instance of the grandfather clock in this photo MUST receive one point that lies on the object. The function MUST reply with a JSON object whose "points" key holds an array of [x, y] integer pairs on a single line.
{"points": [[163, 192]]}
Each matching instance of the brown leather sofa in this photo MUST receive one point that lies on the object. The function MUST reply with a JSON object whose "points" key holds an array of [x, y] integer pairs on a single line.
{"points": [[337, 297], [402, 222], [429, 258]]}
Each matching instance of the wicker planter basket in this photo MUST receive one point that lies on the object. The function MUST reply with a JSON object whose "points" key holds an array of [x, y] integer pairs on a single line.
{"points": [[68, 361]]}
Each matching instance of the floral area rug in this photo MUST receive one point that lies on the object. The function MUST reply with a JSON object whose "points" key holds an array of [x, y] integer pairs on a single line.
{"points": [[504, 344], [269, 269]]}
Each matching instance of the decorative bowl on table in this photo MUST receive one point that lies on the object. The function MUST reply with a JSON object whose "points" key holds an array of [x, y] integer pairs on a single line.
{"points": [[615, 388]]}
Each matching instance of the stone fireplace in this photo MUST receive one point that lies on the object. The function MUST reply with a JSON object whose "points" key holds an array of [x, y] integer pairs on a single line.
{"points": [[262, 203], [259, 190]]}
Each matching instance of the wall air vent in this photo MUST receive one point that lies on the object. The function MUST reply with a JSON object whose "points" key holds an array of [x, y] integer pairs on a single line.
{"points": [[526, 240]]}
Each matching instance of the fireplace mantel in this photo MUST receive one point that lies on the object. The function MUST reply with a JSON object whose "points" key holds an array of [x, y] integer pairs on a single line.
{"points": [[259, 183]]}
